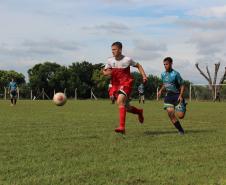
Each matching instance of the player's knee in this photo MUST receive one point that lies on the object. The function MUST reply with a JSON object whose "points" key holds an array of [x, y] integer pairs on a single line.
{"points": [[170, 112], [180, 115], [120, 103]]}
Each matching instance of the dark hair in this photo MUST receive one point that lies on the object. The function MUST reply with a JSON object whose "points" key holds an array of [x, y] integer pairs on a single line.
{"points": [[169, 59], [118, 44]]}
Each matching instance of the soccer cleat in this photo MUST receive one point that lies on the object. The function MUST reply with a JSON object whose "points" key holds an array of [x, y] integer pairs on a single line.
{"points": [[141, 116], [181, 133], [120, 130]]}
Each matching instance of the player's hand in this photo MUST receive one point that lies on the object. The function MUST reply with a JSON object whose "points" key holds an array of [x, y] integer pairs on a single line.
{"points": [[159, 93], [145, 80], [180, 99]]}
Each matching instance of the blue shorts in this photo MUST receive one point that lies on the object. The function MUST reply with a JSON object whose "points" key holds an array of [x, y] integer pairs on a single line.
{"points": [[171, 101]]}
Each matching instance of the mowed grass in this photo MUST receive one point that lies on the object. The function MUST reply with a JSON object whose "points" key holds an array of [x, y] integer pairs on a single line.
{"points": [[42, 144]]}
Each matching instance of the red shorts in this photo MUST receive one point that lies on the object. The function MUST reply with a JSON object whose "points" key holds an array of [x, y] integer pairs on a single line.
{"points": [[116, 90]]}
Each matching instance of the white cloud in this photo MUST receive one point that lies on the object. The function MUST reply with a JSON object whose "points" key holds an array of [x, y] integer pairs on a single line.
{"points": [[215, 11], [213, 24], [209, 43], [111, 27], [146, 50], [30, 48]]}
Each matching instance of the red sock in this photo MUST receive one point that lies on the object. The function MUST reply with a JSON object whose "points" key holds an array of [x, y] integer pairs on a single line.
{"points": [[122, 116], [134, 110]]}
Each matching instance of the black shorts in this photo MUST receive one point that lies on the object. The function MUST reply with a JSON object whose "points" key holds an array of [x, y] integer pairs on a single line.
{"points": [[13, 94]]}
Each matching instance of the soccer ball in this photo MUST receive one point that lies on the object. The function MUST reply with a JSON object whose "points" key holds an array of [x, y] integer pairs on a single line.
{"points": [[59, 99]]}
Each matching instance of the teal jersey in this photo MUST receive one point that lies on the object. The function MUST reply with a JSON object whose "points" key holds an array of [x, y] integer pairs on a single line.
{"points": [[172, 81], [12, 86], [141, 88]]}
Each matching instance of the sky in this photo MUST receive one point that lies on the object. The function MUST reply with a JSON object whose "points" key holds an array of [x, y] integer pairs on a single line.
{"points": [[66, 31]]}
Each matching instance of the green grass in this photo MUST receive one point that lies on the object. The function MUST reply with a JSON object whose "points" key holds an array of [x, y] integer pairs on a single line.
{"points": [[42, 144]]}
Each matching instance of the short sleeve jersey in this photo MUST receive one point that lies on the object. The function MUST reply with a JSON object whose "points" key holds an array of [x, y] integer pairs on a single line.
{"points": [[172, 81], [12, 86], [141, 88], [120, 70]]}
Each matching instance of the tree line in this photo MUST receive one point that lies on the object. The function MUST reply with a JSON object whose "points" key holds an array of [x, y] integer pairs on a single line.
{"points": [[82, 76]]}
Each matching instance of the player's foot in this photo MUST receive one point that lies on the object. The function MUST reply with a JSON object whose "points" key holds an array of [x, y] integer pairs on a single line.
{"points": [[120, 130], [141, 116], [181, 133]]}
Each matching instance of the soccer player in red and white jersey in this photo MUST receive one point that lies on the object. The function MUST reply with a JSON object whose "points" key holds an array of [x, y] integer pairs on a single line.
{"points": [[118, 67]]}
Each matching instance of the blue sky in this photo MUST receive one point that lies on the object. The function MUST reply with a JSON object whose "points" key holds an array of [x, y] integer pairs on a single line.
{"points": [[65, 31]]}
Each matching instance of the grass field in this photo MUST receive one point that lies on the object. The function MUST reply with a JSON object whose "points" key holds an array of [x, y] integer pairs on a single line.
{"points": [[41, 144]]}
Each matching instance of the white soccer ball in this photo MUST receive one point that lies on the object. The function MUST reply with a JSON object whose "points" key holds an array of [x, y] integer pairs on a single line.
{"points": [[59, 99]]}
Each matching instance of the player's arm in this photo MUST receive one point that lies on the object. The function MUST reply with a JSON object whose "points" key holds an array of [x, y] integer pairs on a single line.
{"points": [[182, 89], [162, 87], [141, 70], [9, 88], [161, 90], [180, 81], [106, 72]]}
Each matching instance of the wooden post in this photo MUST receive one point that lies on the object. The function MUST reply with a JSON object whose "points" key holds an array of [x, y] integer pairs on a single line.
{"points": [[91, 96], [190, 92], [5, 93], [43, 94], [157, 98], [18, 91], [31, 95], [215, 92], [76, 95]]}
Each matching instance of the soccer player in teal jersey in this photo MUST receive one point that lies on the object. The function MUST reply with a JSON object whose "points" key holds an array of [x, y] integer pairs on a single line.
{"points": [[141, 92], [174, 102], [13, 92]]}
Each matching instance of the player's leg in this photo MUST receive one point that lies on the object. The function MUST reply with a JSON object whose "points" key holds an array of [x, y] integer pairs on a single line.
{"points": [[139, 98], [173, 118], [126, 90], [170, 102], [134, 110], [15, 100], [14, 97], [11, 98], [121, 99], [143, 98]]}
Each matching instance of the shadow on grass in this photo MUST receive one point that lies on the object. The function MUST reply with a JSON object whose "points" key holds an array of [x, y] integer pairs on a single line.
{"points": [[154, 133]]}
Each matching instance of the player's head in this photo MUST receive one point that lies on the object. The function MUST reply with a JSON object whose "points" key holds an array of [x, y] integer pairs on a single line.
{"points": [[12, 79], [168, 62], [116, 48]]}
